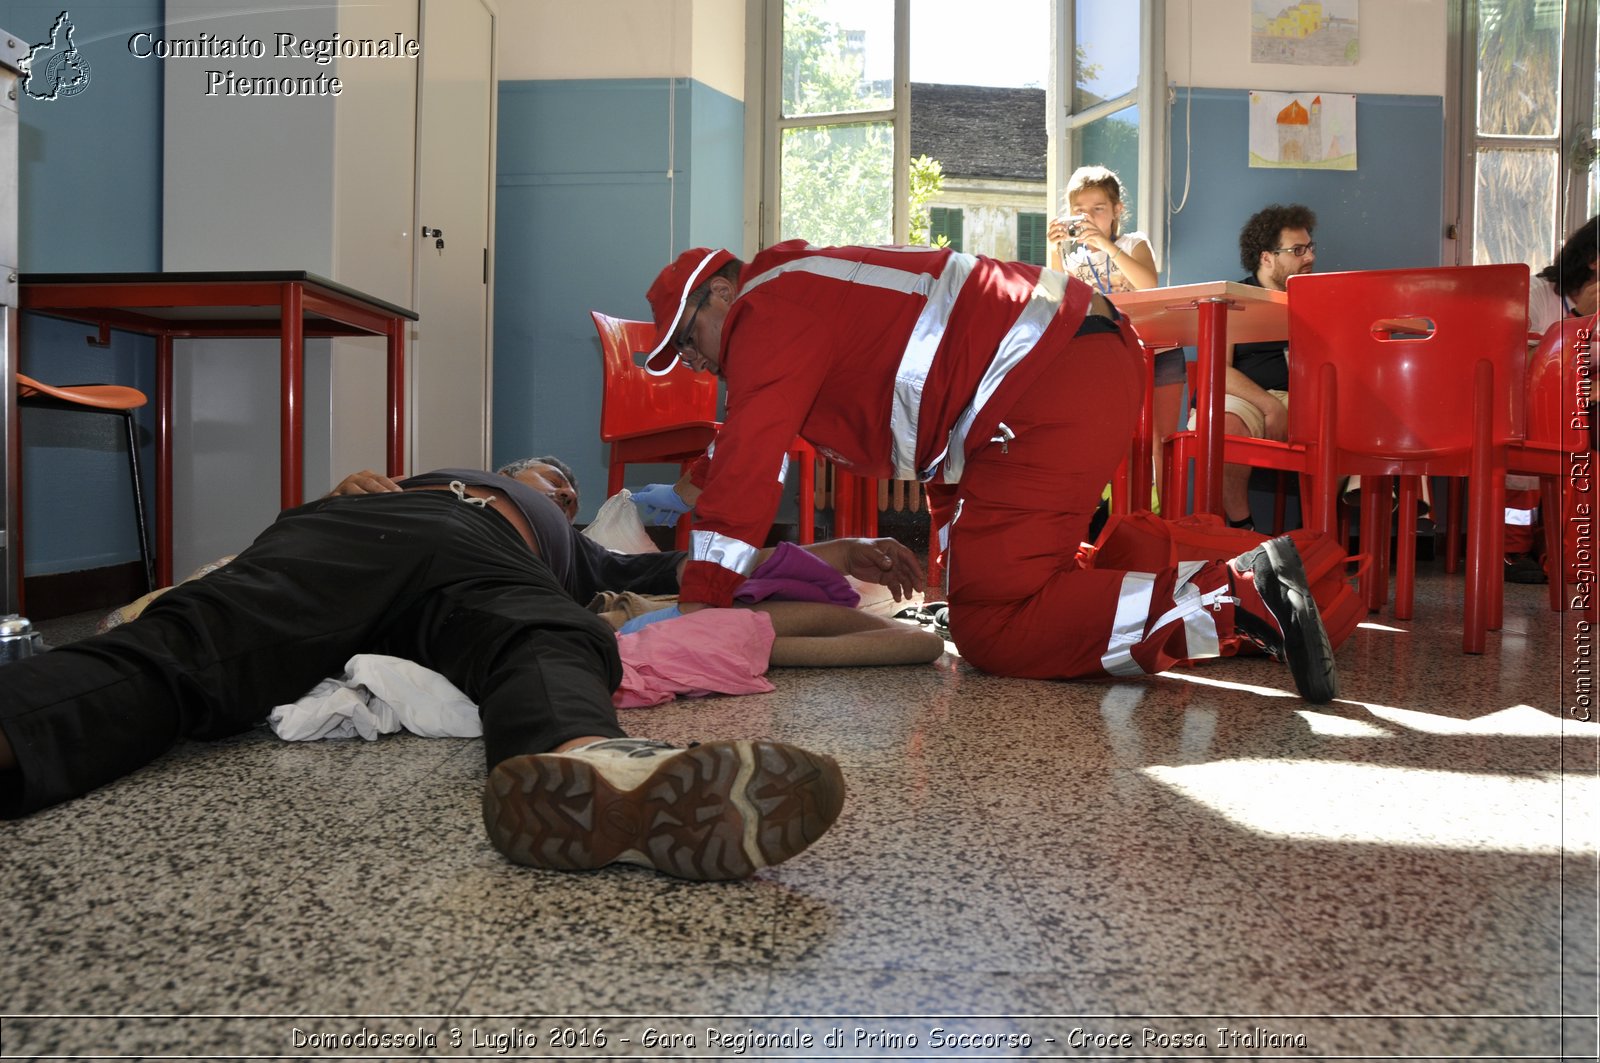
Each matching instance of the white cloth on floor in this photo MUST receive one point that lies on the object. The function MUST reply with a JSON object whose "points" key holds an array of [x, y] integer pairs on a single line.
{"points": [[379, 695], [712, 651]]}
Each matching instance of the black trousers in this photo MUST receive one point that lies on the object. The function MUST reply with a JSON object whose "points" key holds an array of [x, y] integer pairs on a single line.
{"points": [[420, 575]]}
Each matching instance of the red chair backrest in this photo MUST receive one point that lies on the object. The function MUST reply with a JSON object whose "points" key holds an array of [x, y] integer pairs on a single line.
{"points": [[1561, 374], [633, 401], [1404, 345]]}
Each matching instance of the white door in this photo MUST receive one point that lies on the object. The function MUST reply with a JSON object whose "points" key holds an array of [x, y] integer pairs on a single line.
{"points": [[450, 362]]}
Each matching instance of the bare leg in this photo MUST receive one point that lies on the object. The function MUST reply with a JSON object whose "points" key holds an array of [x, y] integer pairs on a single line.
{"points": [[815, 635], [1235, 478]]}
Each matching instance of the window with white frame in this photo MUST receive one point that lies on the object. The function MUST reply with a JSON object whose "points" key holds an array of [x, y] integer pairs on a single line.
{"points": [[1528, 82], [856, 98]]}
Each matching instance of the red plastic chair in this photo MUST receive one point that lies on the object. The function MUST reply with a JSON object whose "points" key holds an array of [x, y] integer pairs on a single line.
{"points": [[668, 419], [1560, 437], [1412, 373]]}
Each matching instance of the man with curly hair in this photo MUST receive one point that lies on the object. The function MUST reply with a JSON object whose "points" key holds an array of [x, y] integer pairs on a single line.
{"points": [[1274, 245]]}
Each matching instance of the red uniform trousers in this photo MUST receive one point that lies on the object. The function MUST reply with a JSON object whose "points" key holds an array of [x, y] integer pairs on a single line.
{"points": [[1019, 603]]}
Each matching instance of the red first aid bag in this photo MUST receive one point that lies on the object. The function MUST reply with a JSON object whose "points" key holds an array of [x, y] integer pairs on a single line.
{"points": [[1144, 542]]}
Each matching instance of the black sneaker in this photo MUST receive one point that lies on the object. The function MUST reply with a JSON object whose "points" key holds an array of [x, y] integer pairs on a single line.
{"points": [[717, 810], [1293, 632], [1525, 568]]}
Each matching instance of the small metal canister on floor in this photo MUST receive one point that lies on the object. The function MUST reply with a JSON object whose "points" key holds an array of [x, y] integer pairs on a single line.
{"points": [[18, 640]]}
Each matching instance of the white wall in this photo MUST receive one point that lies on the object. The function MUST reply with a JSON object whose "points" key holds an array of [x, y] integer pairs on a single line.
{"points": [[559, 39], [1403, 48], [254, 183]]}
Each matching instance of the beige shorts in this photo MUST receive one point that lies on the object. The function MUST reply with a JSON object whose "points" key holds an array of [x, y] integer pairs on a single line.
{"points": [[1255, 423]]}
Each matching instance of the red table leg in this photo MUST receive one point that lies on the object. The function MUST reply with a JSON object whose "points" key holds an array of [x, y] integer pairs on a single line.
{"points": [[291, 442], [1141, 472], [396, 428], [163, 459], [1212, 343]]}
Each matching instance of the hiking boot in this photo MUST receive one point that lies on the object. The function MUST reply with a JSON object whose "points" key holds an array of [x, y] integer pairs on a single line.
{"points": [[717, 810], [1524, 568], [1277, 613]]}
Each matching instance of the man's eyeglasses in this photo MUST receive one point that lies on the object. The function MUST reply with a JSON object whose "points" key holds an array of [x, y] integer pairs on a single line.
{"points": [[1297, 250], [685, 340]]}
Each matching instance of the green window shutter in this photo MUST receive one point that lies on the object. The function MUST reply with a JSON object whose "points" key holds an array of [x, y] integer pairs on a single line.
{"points": [[1031, 245], [945, 222]]}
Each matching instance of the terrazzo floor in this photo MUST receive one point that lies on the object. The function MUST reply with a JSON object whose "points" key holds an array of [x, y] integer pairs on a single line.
{"points": [[1192, 867]]}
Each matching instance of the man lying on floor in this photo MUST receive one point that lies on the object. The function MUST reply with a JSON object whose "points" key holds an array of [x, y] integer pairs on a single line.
{"points": [[476, 577], [818, 631]]}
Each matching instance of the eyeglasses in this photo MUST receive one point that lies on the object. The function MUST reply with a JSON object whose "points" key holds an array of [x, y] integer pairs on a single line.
{"points": [[1298, 250], [685, 339]]}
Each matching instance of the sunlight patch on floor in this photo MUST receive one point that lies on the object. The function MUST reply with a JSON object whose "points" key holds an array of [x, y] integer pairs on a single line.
{"points": [[1377, 804]]}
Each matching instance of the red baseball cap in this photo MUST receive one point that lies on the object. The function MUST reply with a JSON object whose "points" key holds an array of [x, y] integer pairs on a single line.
{"points": [[669, 298]]}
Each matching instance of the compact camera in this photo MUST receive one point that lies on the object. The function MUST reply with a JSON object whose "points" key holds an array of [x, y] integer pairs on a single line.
{"points": [[1073, 227]]}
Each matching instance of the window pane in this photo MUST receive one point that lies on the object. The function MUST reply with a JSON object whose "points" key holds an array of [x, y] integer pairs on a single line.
{"points": [[837, 56], [1009, 45], [1113, 141], [1516, 208], [838, 184], [977, 109], [1105, 64], [1519, 67], [1031, 238], [1594, 162]]}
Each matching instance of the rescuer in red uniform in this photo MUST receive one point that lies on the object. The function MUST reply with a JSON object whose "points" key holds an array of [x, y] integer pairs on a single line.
{"points": [[1013, 393]]}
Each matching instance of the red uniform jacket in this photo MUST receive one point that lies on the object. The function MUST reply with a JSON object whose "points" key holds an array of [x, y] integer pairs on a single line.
{"points": [[893, 362]]}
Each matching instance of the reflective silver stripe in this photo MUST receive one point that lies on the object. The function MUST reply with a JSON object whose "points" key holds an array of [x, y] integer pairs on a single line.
{"points": [[1189, 605], [1199, 624], [926, 335], [912, 374], [1127, 631], [783, 470], [735, 555], [845, 269], [1017, 343], [1522, 518]]}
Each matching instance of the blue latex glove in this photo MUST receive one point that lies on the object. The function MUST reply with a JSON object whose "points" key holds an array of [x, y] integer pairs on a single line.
{"points": [[646, 619], [660, 505]]}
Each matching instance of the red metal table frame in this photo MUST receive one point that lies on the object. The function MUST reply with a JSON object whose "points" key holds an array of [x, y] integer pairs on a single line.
{"points": [[1208, 316], [241, 305]]}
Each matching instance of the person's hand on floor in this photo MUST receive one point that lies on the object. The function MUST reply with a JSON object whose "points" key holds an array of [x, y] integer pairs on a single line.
{"points": [[660, 505]]}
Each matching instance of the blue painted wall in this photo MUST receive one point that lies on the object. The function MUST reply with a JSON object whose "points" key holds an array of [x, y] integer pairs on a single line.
{"points": [[599, 183], [1388, 213], [90, 175]]}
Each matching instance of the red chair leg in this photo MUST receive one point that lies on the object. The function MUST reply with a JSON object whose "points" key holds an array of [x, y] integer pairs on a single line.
{"points": [[1175, 476], [1481, 521], [807, 498], [1405, 549], [1375, 538], [614, 477], [1453, 525], [1555, 561]]}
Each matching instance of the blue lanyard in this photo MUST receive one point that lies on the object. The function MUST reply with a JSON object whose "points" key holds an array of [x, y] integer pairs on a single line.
{"points": [[1103, 283]]}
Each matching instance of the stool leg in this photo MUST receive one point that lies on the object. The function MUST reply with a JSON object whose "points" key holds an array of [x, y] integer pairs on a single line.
{"points": [[146, 559]]}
